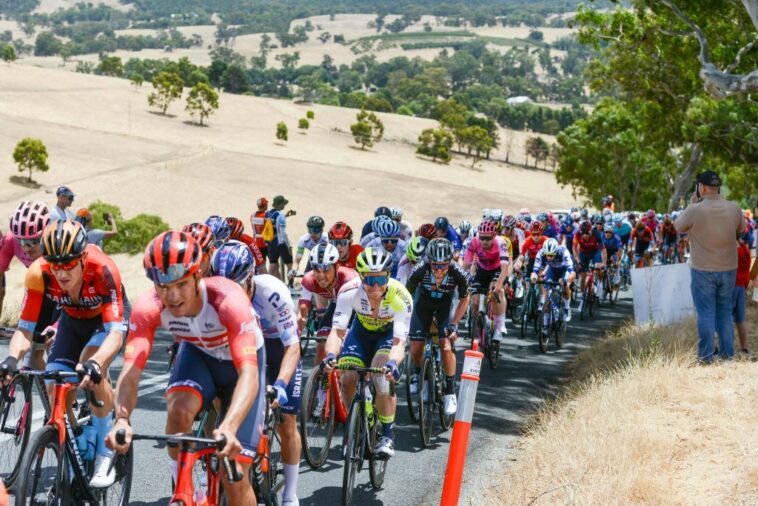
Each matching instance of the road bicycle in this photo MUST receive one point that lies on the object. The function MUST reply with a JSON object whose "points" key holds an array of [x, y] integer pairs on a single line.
{"points": [[550, 321], [590, 302], [268, 465], [611, 283], [362, 434], [625, 272], [194, 450], [484, 329], [515, 296], [321, 409], [529, 313], [311, 326], [53, 453], [432, 382]]}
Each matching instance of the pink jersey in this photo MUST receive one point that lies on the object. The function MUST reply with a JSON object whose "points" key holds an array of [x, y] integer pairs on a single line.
{"points": [[9, 248], [488, 259], [309, 286], [226, 327]]}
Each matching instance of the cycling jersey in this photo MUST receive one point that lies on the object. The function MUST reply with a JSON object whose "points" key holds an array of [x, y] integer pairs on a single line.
{"points": [[517, 238], [394, 311], [226, 328], [550, 231], [591, 243], [530, 248], [568, 232], [422, 283], [404, 269], [645, 237], [668, 233], [612, 245], [397, 254], [352, 257], [306, 242], [366, 239], [465, 245], [309, 287], [101, 292], [273, 304], [487, 259], [561, 260], [452, 236], [624, 229], [9, 248]]}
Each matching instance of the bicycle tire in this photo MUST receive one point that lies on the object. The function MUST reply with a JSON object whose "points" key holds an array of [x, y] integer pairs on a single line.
{"points": [[412, 407], [426, 407], [527, 308], [16, 409], [353, 448], [308, 330], [586, 301], [119, 493], [376, 467], [516, 309], [311, 428], [446, 421], [560, 333], [493, 348], [274, 463], [27, 487], [542, 336]]}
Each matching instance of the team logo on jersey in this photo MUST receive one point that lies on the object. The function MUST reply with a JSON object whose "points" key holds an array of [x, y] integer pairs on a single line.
{"points": [[249, 350]]}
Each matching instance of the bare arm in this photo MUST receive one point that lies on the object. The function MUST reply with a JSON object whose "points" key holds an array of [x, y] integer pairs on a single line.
{"points": [[289, 362]]}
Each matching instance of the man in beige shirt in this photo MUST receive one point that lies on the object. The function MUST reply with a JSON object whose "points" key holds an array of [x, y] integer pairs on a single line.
{"points": [[712, 225]]}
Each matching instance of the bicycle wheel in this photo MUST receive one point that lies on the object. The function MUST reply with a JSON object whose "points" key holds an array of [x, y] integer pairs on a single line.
{"points": [[586, 301], [316, 431], [559, 333], [477, 336], [15, 427], [426, 401], [525, 312], [493, 347], [543, 334], [353, 449], [308, 330], [43, 476], [376, 466], [516, 309], [118, 493], [445, 420], [410, 402]]}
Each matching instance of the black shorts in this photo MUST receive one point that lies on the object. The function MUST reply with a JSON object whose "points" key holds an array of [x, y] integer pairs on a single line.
{"points": [[483, 279], [424, 312], [277, 251], [274, 356], [325, 324]]}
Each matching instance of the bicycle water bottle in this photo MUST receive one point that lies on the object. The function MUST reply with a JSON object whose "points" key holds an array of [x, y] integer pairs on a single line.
{"points": [[86, 441], [369, 405]]}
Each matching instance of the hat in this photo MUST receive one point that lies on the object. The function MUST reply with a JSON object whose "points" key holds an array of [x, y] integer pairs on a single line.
{"points": [[709, 178], [262, 202], [280, 201], [84, 213], [64, 190]]}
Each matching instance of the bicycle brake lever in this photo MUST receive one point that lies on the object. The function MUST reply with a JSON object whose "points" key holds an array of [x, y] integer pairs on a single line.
{"points": [[232, 473], [93, 400]]}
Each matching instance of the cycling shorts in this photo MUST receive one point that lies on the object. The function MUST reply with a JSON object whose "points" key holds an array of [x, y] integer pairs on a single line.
{"points": [[424, 311], [625, 239], [276, 251], [274, 356], [362, 345], [325, 323], [640, 249], [483, 279], [556, 273], [585, 259], [207, 377]]}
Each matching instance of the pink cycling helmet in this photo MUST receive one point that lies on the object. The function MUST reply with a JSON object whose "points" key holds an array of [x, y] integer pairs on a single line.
{"points": [[29, 220], [487, 227]]}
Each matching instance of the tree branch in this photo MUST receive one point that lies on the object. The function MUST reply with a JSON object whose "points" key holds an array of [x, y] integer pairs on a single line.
{"points": [[740, 54]]}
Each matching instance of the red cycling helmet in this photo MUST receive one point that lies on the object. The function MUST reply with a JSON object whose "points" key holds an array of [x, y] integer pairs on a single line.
{"points": [[585, 227], [536, 227], [171, 256], [426, 230], [651, 214], [237, 227], [340, 230], [202, 233], [487, 227]]}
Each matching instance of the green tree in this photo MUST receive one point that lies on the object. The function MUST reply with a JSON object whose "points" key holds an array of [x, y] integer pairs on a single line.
{"points": [[110, 66], [9, 53], [310, 115], [137, 79], [202, 101], [31, 154], [477, 142], [368, 130], [47, 44], [168, 87], [281, 131], [303, 124], [435, 143]]}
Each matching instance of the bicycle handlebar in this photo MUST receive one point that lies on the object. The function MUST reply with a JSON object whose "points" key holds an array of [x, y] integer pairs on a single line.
{"points": [[360, 370], [60, 377]]}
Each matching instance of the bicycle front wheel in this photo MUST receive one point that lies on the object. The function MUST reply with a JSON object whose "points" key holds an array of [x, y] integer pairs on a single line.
{"points": [[445, 420], [353, 449], [43, 477], [376, 466], [118, 493], [543, 332], [493, 347], [316, 425], [410, 401], [426, 395], [15, 427]]}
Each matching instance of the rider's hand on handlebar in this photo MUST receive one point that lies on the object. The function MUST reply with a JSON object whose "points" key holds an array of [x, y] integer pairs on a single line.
{"points": [[121, 424], [533, 277], [392, 371], [91, 373], [327, 364], [280, 387], [233, 446], [8, 369]]}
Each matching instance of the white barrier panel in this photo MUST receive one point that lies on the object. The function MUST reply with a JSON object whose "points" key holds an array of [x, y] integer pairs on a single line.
{"points": [[662, 294]]}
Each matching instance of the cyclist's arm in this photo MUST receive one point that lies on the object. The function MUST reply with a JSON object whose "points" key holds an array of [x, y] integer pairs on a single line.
{"points": [[341, 319], [286, 327], [303, 304], [403, 307], [112, 314], [415, 278], [34, 287], [462, 282]]}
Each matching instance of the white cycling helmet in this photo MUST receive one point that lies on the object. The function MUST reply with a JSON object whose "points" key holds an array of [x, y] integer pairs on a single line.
{"points": [[551, 247], [373, 260], [324, 255]]}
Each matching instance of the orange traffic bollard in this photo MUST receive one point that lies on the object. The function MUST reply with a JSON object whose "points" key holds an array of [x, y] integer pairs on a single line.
{"points": [[456, 459]]}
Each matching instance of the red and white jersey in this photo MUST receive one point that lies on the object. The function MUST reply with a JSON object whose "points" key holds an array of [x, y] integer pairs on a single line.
{"points": [[226, 328], [310, 287]]}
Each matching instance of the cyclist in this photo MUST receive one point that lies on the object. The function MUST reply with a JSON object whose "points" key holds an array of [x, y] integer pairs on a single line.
{"points": [[203, 234], [273, 304], [531, 246], [375, 225], [492, 261], [369, 226], [613, 250], [514, 234], [432, 284], [588, 247], [388, 237], [383, 309], [622, 228], [221, 347], [464, 232], [23, 242], [548, 230], [642, 238], [414, 252], [557, 267], [668, 239], [221, 230], [321, 286], [426, 230], [651, 221], [567, 231], [442, 228], [309, 241], [86, 283], [406, 231], [341, 237], [238, 234]]}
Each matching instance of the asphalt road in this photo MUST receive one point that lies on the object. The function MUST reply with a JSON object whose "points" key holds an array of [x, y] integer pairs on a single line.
{"points": [[524, 378]]}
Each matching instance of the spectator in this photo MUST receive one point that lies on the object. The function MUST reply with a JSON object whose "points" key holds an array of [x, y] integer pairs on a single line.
{"points": [[279, 246], [258, 220], [61, 211], [95, 235], [740, 289], [712, 224]]}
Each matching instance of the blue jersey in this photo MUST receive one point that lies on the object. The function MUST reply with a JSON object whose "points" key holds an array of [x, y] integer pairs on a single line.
{"points": [[550, 231], [568, 231], [561, 260], [452, 236], [623, 230], [612, 245]]}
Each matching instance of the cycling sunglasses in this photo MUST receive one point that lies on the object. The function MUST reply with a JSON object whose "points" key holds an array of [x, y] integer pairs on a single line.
{"points": [[315, 231], [486, 237], [389, 241], [63, 266], [375, 280], [321, 267], [218, 243], [28, 243], [440, 266], [340, 242]]}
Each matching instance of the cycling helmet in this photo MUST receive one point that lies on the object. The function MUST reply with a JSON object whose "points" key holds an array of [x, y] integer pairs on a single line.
{"points": [[527, 218], [487, 227], [220, 228], [440, 250], [383, 211], [496, 215], [315, 222], [542, 217], [63, 241], [396, 213], [29, 220], [584, 213], [618, 220], [596, 218], [585, 227], [376, 221], [650, 214], [234, 261], [340, 230], [441, 223], [537, 227], [416, 247], [550, 248], [509, 221], [236, 226], [426, 230], [171, 256], [667, 218], [324, 255], [201, 233], [464, 227], [608, 227], [631, 216], [388, 229], [525, 211], [659, 216], [485, 213], [373, 260], [568, 220]]}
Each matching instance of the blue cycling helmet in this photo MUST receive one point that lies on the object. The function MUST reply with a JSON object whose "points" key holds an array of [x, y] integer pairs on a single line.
{"points": [[568, 220], [387, 229], [234, 261], [376, 221], [220, 228]]}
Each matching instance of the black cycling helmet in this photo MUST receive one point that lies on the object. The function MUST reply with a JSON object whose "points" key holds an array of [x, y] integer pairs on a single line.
{"points": [[315, 222], [63, 241], [383, 211], [441, 223], [439, 250]]}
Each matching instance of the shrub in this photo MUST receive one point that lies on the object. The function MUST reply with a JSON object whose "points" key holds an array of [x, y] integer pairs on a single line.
{"points": [[133, 234]]}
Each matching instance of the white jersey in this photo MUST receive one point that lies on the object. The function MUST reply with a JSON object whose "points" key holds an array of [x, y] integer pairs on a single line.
{"points": [[404, 269], [395, 309], [397, 253], [307, 243], [406, 230], [366, 239], [274, 306], [464, 246]]}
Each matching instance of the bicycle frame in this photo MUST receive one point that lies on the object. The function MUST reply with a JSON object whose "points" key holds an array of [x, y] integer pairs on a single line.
{"points": [[340, 414]]}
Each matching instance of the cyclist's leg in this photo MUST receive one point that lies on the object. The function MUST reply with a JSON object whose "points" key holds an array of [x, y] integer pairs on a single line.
{"points": [[447, 346], [421, 323], [324, 327], [354, 350], [386, 400], [498, 306]]}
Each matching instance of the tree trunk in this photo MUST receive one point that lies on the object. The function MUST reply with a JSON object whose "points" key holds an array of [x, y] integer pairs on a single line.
{"points": [[683, 183], [30, 174]]}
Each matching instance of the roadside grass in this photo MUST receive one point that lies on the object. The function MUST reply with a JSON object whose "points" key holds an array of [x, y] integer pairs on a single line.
{"points": [[642, 423]]}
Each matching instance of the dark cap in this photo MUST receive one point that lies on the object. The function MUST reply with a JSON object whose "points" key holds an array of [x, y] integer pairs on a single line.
{"points": [[280, 201], [709, 178], [64, 190]]}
